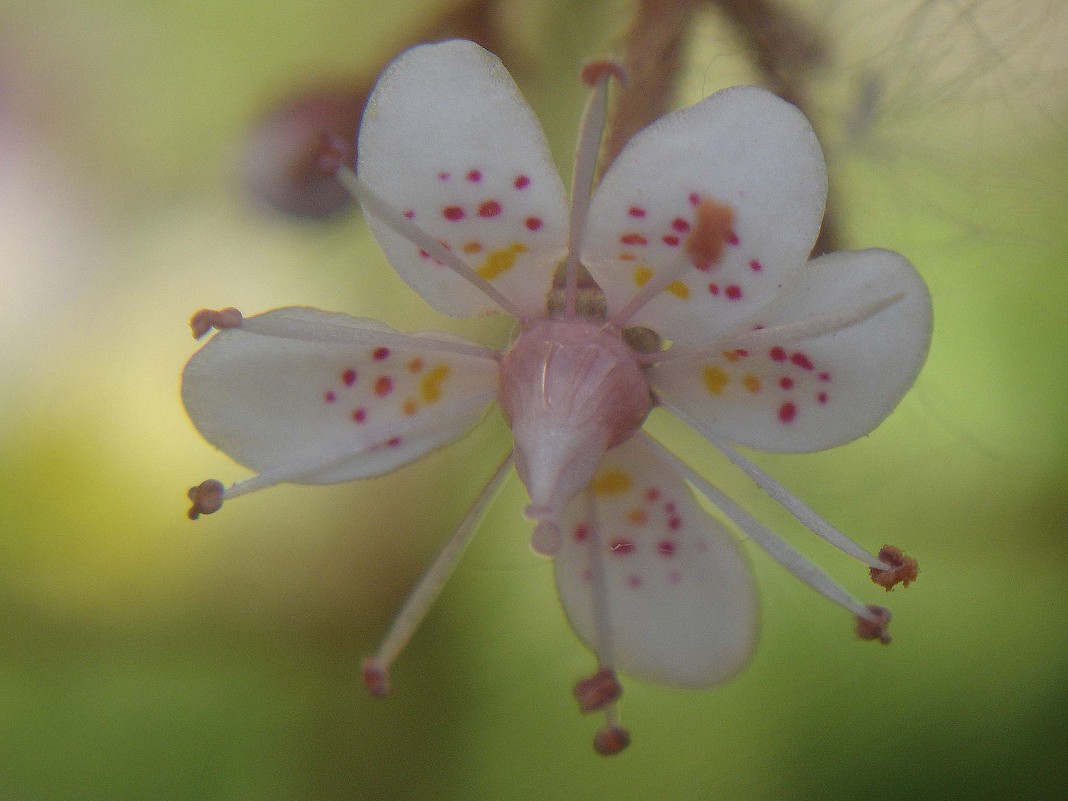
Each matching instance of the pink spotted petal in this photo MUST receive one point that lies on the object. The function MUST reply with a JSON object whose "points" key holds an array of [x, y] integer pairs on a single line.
{"points": [[681, 604], [820, 392], [746, 151], [333, 397], [450, 142]]}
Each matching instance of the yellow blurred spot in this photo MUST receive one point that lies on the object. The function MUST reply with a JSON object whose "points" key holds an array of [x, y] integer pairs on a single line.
{"points": [[642, 274], [472, 247], [716, 379], [638, 516], [410, 406], [415, 365], [501, 261], [752, 383], [731, 356], [627, 256], [432, 381], [679, 289], [611, 482]]}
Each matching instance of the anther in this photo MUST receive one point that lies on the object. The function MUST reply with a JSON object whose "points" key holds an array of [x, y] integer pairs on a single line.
{"points": [[206, 319], [611, 740], [596, 71], [713, 228], [903, 569], [207, 498], [376, 678], [598, 691], [545, 539], [874, 628]]}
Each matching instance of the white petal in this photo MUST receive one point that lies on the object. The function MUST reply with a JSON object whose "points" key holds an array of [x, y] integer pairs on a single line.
{"points": [[822, 391], [450, 142], [742, 148], [320, 398], [681, 605]]}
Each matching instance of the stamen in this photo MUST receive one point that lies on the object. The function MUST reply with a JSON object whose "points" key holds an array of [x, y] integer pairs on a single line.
{"points": [[378, 207], [598, 691], [426, 590], [596, 75], [545, 539], [206, 319], [599, 588], [772, 544], [796, 331], [611, 740], [297, 328], [874, 626], [794, 505], [901, 569], [207, 498]]}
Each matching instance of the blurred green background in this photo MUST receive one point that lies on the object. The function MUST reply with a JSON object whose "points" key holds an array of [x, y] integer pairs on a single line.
{"points": [[144, 656]]}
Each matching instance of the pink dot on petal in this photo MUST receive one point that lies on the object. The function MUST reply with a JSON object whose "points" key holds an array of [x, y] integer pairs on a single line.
{"points": [[621, 547], [786, 382], [732, 239], [734, 292], [824, 376], [821, 398], [695, 199], [666, 548], [393, 442], [452, 213], [581, 532], [330, 397], [533, 223], [474, 176], [491, 208], [801, 360], [755, 265], [409, 213], [636, 211], [777, 354], [444, 176], [652, 494], [383, 386], [521, 182], [348, 378], [380, 354], [675, 523], [787, 412], [674, 577], [713, 288], [671, 241], [633, 239], [359, 415], [634, 581], [680, 225]]}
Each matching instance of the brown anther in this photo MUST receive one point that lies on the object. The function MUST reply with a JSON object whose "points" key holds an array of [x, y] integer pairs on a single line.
{"points": [[207, 498], [713, 227], [206, 319], [334, 152], [875, 629], [598, 691], [376, 678], [596, 71], [903, 569], [611, 740]]}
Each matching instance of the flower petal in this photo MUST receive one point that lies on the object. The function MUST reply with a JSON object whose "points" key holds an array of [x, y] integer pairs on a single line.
{"points": [[724, 198], [681, 605], [450, 142], [320, 398], [825, 390]]}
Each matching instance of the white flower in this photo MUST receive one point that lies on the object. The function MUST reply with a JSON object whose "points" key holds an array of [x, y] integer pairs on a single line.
{"points": [[705, 303]]}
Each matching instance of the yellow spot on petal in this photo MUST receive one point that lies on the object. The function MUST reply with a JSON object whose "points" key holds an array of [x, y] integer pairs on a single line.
{"points": [[501, 261], [752, 383], [642, 274], [638, 516], [627, 257], [679, 289], [432, 381], [611, 482], [472, 247], [410, 406], [415, 365], [730, 356], [716, 379]]}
